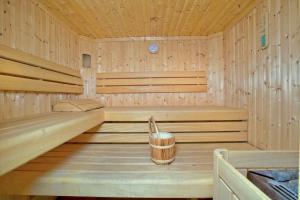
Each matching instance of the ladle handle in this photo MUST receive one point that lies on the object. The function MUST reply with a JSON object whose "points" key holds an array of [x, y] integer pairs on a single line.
{"points": [[152, 124]]}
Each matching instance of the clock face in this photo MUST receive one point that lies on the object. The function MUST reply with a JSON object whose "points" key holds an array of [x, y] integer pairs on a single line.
{"points": [[153, 48]]}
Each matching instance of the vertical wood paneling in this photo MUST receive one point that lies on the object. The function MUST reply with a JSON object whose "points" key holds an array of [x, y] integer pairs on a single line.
{"points": [[24, 25], [179, 54], [87, 46], [266, 81]]}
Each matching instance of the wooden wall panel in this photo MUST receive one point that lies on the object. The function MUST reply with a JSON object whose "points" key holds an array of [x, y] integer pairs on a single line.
{"points": [[26, 26], [266, 81], [175, 54], [88, 46]]}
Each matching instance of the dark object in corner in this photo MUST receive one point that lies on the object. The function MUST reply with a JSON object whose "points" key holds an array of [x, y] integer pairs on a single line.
{"points": [[277, 184]]}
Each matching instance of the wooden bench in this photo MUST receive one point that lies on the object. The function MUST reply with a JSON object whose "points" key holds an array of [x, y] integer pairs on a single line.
{"points": [[117, 170], [151, 82], [189, 124], [230, 169], [24, 139], [20, 71]]}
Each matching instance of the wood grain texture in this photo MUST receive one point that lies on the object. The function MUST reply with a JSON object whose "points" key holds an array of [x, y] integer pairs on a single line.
{"points": [[227, 165], [151, 82], [24, 25], [29, 59], [113, 170], [188, 124], [152, 89], [116, 19], [228, 181], [172, 127], [266, 81], [174, 56], [116, 137], [175, 113], [12, 68], [40, 134], [12, 83]]}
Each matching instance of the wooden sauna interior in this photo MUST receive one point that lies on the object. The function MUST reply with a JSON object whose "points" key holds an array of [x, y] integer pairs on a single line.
{"points": [[226, 76]]}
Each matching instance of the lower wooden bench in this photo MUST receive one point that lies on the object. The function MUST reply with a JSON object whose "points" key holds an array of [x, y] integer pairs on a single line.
{"points": [[26, 138], [117, 170]]}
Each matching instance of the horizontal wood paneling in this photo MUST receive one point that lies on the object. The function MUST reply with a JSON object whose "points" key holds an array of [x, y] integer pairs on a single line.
{"points": [[144, 137], [27, 27], [29, 59], [175, 113], [172, 127], [180, 54], [188, 124], [151, 82], [37, 75], [152, 89], [161, 74], [9, 67], [11, 83], [266, 81]]}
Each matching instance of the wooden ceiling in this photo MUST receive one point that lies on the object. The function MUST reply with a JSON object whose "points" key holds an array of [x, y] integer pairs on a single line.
{"points": [[136, 18]]}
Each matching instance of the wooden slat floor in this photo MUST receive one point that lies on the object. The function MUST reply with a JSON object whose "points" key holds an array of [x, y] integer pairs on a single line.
{"points": [[117, 170]]}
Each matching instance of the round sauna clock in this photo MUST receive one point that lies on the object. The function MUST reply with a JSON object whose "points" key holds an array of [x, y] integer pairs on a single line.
{"points": [[153, 48]]}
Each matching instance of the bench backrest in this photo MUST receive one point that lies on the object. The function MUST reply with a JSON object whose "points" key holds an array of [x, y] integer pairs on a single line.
{"points": [[20, 71], [151, 82]]}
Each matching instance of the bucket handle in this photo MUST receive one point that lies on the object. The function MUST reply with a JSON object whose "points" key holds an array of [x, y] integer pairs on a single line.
{"points": [[152, 124]]}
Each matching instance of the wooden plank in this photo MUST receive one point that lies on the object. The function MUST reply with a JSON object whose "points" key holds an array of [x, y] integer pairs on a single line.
{"points": [[116, 153], [239, 184], [172, 127], [151, 89], [125, 160], [23, 121], [264, 159], [151, 81], [142, 147], [144, 138], [22, 197], [115, 171], [161, 74], [224, 190], [45, 136], [9, 83], [117, 168], [19, 69], [196, 185], [175, 113], [23, 57]]}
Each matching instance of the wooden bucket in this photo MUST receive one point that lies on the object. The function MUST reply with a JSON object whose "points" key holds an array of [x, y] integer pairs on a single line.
{"points": [[162, 144]]}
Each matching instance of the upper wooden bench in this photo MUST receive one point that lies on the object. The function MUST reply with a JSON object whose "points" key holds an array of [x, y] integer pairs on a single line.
{"points": [[20, 71], [24, 139], [151, 82]]}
